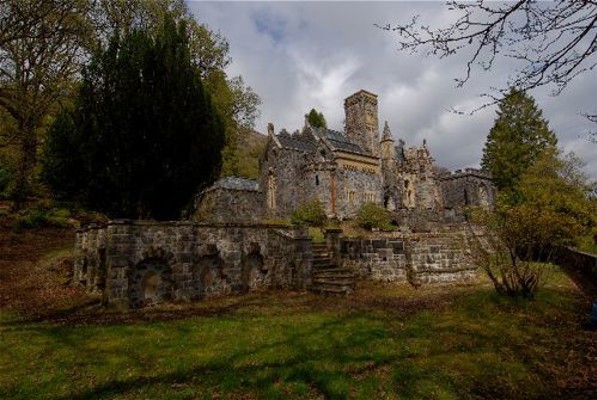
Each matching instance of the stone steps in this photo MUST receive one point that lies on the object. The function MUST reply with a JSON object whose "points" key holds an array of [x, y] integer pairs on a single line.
{"points": [[328, 278]]}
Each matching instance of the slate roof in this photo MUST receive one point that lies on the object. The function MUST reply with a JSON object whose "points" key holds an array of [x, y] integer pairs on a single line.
{"points": [[341, 142], [307, 144], [236, 183], [296, 142]]}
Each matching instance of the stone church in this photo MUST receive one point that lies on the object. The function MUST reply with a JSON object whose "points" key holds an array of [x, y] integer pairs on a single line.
{"points": [[344, 170]]}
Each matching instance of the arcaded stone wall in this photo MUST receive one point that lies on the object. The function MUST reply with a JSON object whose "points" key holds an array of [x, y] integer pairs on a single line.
{"points": [[422, 258], [140, 263]]}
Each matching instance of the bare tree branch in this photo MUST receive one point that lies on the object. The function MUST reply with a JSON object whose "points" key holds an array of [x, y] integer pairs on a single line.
{"points": [[556, 41]]}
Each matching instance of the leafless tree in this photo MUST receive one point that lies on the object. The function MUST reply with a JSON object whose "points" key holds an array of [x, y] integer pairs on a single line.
{"points": [[555, 41]]}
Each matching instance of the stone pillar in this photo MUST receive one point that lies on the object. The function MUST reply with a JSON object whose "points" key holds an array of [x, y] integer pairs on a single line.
{"points": [[332, 239], [302, 258]]}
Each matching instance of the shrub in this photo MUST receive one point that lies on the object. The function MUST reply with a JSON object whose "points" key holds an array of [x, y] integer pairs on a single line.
{"points": [[309, 213], [39, 217], [372, 216]]}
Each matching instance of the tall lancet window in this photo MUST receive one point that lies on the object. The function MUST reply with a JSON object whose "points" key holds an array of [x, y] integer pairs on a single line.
{"points": [[271, 191]]}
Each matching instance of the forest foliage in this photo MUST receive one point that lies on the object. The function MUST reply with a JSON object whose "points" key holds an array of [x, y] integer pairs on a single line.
{"points": [[44, 48], [142, 126]]}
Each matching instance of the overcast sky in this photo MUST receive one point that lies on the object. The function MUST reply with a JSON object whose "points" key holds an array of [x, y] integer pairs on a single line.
{"points": [[303, 55]]}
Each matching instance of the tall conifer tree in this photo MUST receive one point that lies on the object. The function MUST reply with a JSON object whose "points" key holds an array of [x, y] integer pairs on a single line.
{"points": [[143, 136], [518, 136]]}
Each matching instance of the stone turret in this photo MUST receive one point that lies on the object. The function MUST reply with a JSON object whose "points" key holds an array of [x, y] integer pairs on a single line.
{"points": [[387, 144], [362, 125]]}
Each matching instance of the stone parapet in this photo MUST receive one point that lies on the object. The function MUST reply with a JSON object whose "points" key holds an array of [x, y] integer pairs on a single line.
{"points": [[420, 258]]}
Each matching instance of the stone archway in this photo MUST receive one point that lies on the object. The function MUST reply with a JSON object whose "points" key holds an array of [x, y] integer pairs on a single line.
{"points": [[150, 282], [483, 196], [391, 198], [208, 276], [254, 272]]}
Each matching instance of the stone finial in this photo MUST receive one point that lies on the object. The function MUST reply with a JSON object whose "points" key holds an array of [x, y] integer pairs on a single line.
{"points": [[387, 134], [270, 129], [424, 142]]}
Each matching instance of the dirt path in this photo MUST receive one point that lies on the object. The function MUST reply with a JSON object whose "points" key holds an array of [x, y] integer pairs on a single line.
{"points": [[26, 286]]}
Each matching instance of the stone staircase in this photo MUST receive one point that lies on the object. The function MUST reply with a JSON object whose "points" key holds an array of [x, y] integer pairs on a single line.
{"points": [[329, 278]]}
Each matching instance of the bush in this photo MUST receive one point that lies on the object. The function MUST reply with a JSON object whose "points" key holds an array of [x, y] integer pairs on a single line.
{"points": [[309, 213], [39, 217], [372, 216]]}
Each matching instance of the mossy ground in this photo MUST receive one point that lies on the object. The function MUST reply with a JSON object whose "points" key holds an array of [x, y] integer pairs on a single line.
{"points": [[385, 341]]}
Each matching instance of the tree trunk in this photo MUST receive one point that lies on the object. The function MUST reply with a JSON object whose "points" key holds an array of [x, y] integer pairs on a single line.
{"points": [[26, 165]]}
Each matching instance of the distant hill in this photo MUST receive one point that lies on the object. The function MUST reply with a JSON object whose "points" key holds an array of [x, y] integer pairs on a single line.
{"points": [[249, 149]]}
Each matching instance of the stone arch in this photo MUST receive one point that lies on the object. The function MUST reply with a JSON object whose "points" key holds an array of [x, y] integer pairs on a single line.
{"points": [[391, 198], [150, 282], [483, 195], [209, 277], [254, 271]]}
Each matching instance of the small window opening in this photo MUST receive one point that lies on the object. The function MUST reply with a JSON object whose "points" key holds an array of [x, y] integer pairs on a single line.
{"points": [[316, 180]]}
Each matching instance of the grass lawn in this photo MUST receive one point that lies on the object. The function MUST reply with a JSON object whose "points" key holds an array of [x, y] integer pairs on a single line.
{"points": [[386, 342], [382, 342]]}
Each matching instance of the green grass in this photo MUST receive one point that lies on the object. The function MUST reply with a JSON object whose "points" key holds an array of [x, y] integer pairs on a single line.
{"points": [[393, 342], [316, 234]]}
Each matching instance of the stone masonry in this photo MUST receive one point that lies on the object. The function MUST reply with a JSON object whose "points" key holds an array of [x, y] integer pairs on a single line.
{"points": [[135, 264], [344, 170], [420, 258], [141, 263]]}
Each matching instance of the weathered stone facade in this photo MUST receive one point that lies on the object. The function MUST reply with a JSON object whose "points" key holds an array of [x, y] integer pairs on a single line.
{"points": [[345, 170], [140, 263]]}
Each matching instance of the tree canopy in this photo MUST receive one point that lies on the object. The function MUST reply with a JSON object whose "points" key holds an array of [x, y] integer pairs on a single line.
{"points": [[41, 49], [554, 209], [316, 119], [44, 45], [518, 136], [237, 103], [143, 135]]}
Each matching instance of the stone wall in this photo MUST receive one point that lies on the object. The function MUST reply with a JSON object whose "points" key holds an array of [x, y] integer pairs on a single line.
{"points": [[365, 187], [283, 177], [140, 263], [422, 258], [217, 205], [461, 189], [584, 263]]}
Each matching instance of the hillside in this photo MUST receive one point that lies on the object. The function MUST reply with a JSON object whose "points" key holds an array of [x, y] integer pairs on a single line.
{"points": [[250, 146]]}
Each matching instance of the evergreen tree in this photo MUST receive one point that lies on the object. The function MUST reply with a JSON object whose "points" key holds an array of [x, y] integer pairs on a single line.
{"points": [[143, 135], [519, 135], [316, 119]]}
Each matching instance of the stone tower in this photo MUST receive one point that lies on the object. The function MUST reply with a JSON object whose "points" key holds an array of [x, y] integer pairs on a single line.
{"points": [[362, 125]]}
